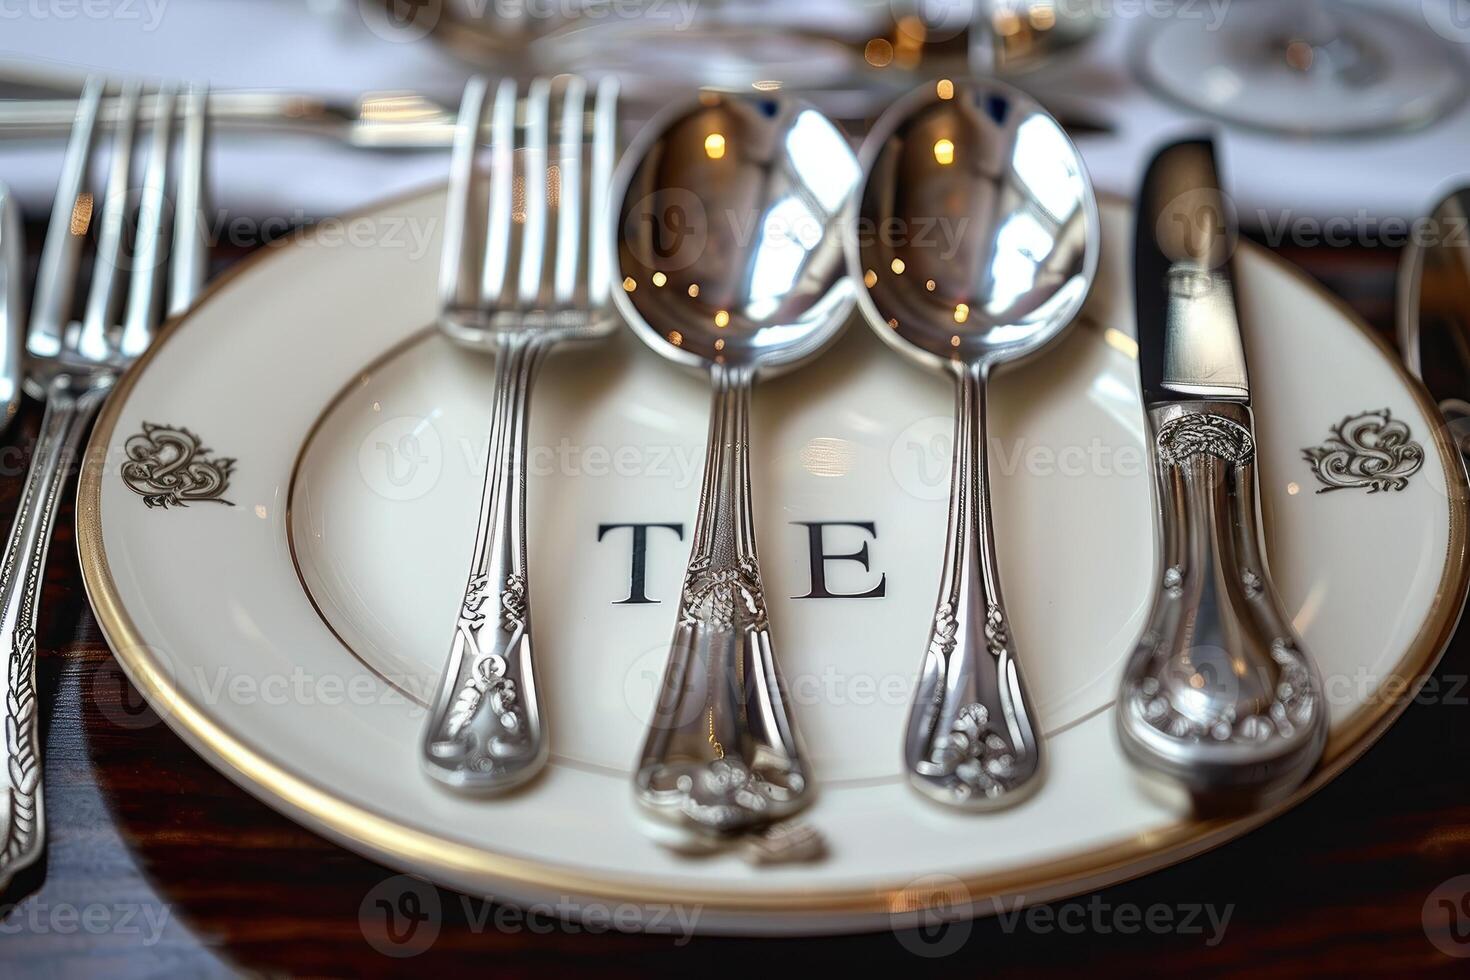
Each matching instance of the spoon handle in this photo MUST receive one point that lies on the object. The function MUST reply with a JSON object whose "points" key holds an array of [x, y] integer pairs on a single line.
{"points": [[972, 739], [485, 732], [721, 755]]}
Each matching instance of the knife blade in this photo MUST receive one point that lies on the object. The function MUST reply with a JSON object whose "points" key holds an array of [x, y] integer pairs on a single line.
{"points": [[1219, 699], [1189, 331]]}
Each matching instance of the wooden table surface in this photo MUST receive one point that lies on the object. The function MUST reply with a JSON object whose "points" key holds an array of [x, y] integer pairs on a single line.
{"points": [[159, 865]]}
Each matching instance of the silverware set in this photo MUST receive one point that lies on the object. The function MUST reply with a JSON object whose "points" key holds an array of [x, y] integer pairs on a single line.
{"points": [[739, 234], [142, 270], [737, 237]]}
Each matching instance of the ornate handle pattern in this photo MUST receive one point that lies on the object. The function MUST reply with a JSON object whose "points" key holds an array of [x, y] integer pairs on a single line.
{"points": [[485, 731], [1218, 696], [722, 756], [972, 739], [69, 409]]}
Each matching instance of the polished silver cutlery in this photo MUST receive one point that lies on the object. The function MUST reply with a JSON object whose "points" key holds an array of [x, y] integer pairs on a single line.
{"points": [[12, 306], [37, 104], [526, 266], [1434, 311], [976, 241], [73, 363], [1218, 698], [730, 255]]}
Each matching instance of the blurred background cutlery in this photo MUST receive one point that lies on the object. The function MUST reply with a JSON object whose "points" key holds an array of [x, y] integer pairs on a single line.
{"points": [[1434, 311]]}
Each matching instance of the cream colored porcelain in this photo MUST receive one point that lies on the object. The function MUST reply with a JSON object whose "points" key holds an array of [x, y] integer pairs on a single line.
{"points": [[290, 637]]}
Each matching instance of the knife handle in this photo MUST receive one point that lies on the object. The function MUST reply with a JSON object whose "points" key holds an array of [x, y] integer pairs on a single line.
{"points": [[1218, 697]]}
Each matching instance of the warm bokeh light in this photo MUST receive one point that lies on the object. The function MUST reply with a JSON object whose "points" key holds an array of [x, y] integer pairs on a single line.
{"points": [[714, 146], [879, 52], [81, 214], [944, 152]]}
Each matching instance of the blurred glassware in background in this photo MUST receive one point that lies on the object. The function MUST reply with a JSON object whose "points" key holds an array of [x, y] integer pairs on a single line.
{"points": [[851, 56], [1306, 67]]}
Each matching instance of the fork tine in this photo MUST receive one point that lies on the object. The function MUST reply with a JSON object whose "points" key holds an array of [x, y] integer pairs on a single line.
{"points": [[189, 256], [70, 215], [141, 315], [533, 236], [569, 197], [102, 298], [604, 159], [455, 289], [499, 216]]}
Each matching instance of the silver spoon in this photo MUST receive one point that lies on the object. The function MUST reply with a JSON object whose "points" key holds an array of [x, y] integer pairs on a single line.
{"points": [[730, 251], [977, 240]]}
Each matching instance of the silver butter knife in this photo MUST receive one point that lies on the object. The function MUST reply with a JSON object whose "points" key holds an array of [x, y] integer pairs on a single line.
{"points": [[1218, 697]]}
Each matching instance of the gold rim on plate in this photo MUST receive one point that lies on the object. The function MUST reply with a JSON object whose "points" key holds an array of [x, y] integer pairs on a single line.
{"points": [[448, 860]]}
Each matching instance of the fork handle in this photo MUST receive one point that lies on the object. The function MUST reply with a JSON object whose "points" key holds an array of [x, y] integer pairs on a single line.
{"points": [[485, 730], [69, 410]]}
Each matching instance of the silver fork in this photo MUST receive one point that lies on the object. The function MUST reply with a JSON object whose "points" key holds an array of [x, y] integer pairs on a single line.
{"points": [[498, 294], [73, 364]]}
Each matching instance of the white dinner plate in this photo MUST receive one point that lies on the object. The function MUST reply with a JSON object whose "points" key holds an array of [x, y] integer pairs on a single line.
{"points": [[276, 520]]}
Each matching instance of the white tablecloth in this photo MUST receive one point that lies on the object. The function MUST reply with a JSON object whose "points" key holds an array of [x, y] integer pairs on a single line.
{"points": [[325, 47]]}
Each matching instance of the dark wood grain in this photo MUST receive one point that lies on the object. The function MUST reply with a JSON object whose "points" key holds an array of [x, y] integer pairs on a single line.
{"points": [[141, 827]]}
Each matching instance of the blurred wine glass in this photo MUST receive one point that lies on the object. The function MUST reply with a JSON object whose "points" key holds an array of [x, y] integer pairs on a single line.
{"points": [[1308, 67]]}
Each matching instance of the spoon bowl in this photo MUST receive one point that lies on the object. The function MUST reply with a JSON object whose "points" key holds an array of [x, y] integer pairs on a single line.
{"points": [[976, 241], [978, 234], [729, 234]]}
